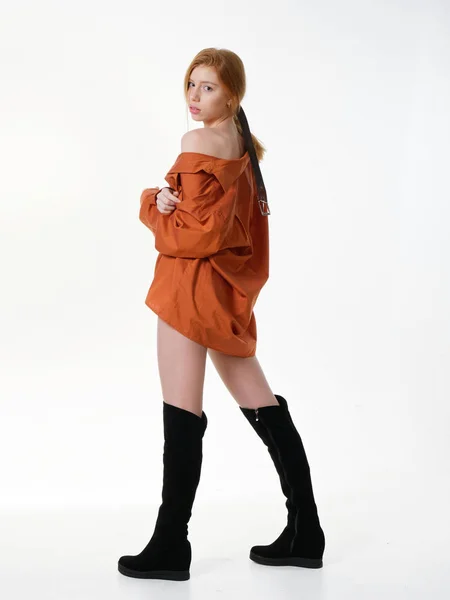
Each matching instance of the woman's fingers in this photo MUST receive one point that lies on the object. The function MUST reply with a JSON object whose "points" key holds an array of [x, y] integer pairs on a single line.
{"points": [[168, 194], [166, 200]]}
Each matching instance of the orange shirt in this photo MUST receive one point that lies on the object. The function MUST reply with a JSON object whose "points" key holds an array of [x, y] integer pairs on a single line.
{"points": [[213, 252]]}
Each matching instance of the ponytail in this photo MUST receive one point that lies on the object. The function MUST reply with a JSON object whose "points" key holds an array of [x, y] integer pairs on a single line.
{"points": [[254, 149]]}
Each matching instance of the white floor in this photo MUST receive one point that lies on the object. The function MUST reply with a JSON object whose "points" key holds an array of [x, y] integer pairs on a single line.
{"points": [[68, 555]]}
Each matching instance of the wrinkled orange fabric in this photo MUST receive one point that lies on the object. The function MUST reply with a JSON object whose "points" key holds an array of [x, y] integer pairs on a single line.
{"points": [[213, 252]]}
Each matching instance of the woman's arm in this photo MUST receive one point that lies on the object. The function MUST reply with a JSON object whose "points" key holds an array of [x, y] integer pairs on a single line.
{"points": [[195, 229]]}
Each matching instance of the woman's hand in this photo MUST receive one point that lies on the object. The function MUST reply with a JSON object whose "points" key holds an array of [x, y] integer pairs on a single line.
{"points": [[166, 201]]}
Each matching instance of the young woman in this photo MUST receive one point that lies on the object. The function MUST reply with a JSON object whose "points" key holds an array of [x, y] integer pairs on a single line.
{"points": [[211, 231]]}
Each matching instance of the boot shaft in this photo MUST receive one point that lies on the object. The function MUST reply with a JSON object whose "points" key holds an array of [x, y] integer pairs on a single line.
{"points": [[182, 462]]}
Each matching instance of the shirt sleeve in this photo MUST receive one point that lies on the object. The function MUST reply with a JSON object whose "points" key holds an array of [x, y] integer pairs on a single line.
{"points": [[197, 227]]}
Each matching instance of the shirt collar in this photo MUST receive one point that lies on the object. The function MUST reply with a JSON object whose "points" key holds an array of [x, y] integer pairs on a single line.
{"points": [[225, 170]]}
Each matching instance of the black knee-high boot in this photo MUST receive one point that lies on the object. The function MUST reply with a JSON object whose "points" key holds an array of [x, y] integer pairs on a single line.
{"points": [[168, 553], [302, 542]]}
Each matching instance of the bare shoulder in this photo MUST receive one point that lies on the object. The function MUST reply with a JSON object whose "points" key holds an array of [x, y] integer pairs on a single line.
{"points": [[202, 140]]}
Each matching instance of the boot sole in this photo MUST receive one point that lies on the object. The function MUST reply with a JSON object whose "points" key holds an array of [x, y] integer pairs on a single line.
{"points": [[294, 561], [172, 575]]}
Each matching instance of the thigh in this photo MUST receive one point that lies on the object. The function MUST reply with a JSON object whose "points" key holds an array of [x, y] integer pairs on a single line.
{"points": [[244, 379], [181, 365]]}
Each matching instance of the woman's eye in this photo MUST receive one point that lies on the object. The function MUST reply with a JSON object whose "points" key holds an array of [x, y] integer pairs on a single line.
{"points": [[206, 86]]}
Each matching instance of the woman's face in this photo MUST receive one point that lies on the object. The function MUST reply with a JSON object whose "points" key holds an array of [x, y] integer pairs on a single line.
{"points": [[206, 93]]}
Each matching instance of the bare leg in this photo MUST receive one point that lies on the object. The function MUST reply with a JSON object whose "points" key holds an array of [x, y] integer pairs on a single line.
{"points": [[302, 541], [244, 379], [181, 365]]}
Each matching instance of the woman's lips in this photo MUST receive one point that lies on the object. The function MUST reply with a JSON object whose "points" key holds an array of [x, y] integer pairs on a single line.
{"points": [[194, 110]]}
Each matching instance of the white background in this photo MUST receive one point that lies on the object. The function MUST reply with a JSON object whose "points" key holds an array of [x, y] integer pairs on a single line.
{"points": [[351, 100]]}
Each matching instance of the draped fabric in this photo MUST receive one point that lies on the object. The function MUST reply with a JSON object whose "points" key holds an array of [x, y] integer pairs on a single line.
{"points": [[213, 252]]}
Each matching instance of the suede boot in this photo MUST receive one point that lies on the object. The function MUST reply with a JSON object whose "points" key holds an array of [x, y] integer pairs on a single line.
{"points": [[168, 553], [302, 542]]}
